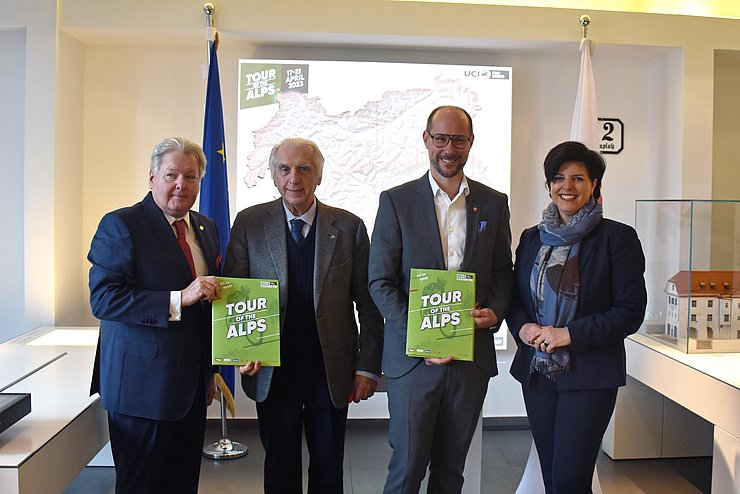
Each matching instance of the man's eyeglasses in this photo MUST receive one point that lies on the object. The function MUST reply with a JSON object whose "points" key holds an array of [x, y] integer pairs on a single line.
{"points": [[441, 140]]}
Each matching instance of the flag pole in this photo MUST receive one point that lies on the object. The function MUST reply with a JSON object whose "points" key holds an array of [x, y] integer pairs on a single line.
{"points": [[208, 10], [224, 448]]}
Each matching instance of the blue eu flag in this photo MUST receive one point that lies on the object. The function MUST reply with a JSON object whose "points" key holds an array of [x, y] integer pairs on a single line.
{"points": [[214, 188]]}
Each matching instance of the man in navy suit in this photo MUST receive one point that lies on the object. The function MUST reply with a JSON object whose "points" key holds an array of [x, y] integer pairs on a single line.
{"points": [[442, 220], [151, 284]]}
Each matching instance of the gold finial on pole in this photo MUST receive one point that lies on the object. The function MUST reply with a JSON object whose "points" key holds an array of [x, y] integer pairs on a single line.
{"points": [[208, 10], [584, 21]]}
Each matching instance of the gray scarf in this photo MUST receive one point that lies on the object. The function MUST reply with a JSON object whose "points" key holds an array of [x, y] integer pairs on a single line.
{"points": [[555, 278]]}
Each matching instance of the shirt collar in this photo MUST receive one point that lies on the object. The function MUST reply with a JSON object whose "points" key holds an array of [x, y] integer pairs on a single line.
{"points": [[172, 219], [307, 217], [436, 189]]}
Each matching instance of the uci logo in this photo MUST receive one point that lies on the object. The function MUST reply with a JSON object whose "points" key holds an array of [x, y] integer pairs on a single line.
{"points": [[487, 73], [483, 73]]}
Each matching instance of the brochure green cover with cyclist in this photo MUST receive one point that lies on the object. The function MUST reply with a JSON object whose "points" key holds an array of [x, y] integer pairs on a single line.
{"points": [[439, 320], [246, 322]]}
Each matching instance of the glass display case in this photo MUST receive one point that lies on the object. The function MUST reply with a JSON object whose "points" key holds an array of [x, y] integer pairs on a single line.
{"points": [[692, 272]]}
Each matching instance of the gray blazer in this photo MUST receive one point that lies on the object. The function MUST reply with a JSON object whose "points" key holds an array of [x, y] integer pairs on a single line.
{"points": [[258, 249], [406, 235]]}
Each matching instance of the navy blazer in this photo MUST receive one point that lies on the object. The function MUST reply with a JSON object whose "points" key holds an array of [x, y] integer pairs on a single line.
{"points": [[611, 305], [145, 365], [406, 235]]}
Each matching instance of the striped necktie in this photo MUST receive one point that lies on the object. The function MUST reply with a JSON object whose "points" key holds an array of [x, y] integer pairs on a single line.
{"points": [[296, 230]]}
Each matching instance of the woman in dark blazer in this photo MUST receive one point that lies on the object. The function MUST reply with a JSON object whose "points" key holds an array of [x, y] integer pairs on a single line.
{"points": [[578, 293]]}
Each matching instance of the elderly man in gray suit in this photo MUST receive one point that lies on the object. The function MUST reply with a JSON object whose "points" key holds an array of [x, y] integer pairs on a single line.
{"points": [[319, 255], [442, 220]]}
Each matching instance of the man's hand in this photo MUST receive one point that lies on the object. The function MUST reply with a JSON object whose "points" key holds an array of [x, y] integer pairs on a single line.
{"points": [[202, 288], [364, 388], [484, 318], [251, 368], [439, 361]]}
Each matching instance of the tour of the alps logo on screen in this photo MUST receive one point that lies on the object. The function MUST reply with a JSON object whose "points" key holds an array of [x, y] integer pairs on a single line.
{"points": [[260, 84], [487, 73]]}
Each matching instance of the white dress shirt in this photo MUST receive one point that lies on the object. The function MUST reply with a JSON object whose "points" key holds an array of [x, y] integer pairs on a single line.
{"points": [[452, 222], [201, 268], [308, 217]]}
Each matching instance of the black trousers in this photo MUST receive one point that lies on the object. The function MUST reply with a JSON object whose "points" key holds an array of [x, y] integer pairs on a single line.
{"points": [[158, 456], [299, 402], [567, 427]]}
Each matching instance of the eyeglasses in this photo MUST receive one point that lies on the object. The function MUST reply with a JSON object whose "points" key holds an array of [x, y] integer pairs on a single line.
{"points": [[441, 140]]}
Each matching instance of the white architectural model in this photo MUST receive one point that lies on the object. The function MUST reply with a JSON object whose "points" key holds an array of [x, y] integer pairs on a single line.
{"points": [[704, 307]]}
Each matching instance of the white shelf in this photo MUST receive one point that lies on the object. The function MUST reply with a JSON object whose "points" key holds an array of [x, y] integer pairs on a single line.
{"points": [[646, 425], [45, 450]]}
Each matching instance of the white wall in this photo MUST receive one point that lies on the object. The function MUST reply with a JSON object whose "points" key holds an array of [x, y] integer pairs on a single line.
{"points": [[727, 125], [12, 131], [29, 45], [70, 266]]}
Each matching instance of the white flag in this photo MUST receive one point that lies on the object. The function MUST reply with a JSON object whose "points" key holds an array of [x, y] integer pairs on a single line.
{"points": [[585, 127]]}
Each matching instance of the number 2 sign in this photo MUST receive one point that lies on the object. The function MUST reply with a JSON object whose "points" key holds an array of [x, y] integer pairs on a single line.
{"points": [[612, 135]]}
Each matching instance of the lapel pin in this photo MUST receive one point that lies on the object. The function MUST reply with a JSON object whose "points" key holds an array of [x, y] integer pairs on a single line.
{"points": [[475, 209], [482, 226], [333, 236], [201, 228]]}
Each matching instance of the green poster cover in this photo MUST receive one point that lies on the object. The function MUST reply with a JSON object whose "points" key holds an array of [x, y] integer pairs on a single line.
{"points": [[246, 322], [439, 321]]}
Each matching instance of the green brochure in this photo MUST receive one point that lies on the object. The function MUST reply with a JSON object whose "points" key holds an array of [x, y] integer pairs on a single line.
{"points": [[246, 322], [439, 321]]}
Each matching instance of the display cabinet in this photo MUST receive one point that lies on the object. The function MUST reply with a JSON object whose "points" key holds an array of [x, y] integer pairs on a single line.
{"points": [[692, 253]]}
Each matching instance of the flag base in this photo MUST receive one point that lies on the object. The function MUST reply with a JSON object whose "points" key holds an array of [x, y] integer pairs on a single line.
{"points": [[225, 449]]}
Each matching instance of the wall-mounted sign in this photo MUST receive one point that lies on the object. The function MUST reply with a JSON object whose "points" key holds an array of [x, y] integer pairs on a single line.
{"points": [[612, 135]]}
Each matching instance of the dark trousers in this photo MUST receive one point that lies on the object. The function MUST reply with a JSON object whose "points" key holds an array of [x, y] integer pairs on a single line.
{"points": [[434, 410], [567, 427], [299, 402], [158, 456]]}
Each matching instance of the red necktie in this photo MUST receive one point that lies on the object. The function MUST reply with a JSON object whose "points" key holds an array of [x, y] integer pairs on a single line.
{"points": [[180, 227]]}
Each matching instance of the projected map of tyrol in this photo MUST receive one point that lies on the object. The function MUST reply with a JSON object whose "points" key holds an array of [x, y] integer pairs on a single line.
{"points": [[367, 119]]}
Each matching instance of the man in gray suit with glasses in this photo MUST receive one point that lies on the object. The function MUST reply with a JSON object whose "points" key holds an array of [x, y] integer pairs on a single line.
{"points": [[442, 220]]}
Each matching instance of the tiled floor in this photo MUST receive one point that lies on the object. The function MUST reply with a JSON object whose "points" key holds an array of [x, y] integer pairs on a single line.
{"points": [[366, 456]]}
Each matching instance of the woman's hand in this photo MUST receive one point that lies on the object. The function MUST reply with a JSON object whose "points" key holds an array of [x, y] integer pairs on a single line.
{"points": [[544, 338], [529, 333], [551, 338]]}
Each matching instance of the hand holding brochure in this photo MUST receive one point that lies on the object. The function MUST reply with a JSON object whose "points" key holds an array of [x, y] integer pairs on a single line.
{"points": [[246, 322], [439, 320]]}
